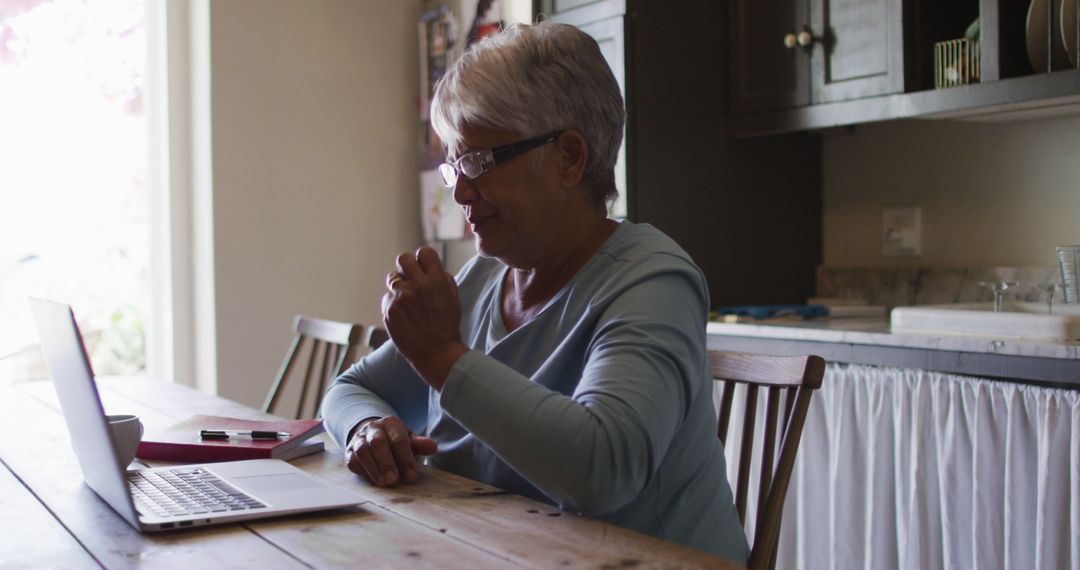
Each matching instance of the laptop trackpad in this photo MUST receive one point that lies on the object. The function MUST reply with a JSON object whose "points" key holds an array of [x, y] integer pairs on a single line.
{"points": [[276, 482]]}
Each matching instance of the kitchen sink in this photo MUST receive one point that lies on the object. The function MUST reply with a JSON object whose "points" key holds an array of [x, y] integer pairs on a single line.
{"points": [[1015, 320]]}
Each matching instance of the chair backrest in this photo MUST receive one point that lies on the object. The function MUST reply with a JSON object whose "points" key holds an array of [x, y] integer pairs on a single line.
{"points": [[335, 346], [793, 377]]}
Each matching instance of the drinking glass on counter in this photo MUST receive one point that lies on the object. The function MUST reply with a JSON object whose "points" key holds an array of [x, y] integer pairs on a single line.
{"points": [[1069, 258]]}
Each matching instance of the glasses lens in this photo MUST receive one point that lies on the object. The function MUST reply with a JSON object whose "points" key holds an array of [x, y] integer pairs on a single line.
{"points": [[449, 174], [471, 165]]}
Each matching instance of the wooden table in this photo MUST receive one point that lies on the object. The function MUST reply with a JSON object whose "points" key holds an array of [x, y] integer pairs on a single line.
{"points": [[50, 518]]}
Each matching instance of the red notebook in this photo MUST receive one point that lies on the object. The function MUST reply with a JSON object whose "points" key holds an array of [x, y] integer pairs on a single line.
{"points": [[181, 441]]}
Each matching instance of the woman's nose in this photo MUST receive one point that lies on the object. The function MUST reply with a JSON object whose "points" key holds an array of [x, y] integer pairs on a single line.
{"points": [[464, 191]]}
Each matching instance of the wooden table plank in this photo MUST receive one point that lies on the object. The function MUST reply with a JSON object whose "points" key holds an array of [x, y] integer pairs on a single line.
{"points": [[37, 539], [443, 520], [344, 538], [514, 528], [36, 448], [379, 538], [529, 533], [521, 530]]}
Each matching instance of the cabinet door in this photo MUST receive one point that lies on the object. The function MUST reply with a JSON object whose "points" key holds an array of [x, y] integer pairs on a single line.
{"points": [[606, 22], [609, 34], [858, 51], [765, 74], [564, 5]]}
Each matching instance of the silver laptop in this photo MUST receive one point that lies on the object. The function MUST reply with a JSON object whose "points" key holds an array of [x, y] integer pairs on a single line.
{"points": [[165, 498]]}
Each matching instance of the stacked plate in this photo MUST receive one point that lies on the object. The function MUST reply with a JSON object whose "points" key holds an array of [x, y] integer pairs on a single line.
{"points": [[1069, 27], [1041, 35]]}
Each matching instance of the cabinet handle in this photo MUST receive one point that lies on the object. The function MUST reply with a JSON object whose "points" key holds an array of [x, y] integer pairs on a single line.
{"points": [[806, 39], [790, 41]]}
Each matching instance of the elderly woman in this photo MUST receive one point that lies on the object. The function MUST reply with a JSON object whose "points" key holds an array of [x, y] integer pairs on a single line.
{"points": [[567, 361]]}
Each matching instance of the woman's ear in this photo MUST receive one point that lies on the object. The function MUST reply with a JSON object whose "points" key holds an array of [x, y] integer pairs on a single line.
{"points": [[573, 153]]}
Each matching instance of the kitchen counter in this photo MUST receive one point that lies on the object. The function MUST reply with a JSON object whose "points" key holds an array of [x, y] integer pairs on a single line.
{"points": [[870, 341]]}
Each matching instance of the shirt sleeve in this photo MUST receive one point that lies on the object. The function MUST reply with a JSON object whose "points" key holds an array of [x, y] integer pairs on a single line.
{"points": [[595, 451], [384, 383], [381, 384]]}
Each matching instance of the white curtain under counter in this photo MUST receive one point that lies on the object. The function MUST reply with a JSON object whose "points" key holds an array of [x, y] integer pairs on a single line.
{"points": [[903, 467]]}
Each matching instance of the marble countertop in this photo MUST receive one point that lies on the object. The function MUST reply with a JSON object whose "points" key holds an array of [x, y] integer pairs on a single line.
{"points": [[876, 332]]}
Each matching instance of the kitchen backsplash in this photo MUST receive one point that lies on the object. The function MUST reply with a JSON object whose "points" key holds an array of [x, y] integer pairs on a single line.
{"points": [[897, 286]]}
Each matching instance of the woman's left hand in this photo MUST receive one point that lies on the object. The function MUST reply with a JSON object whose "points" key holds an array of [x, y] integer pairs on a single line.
{"points": [[422, 314]]}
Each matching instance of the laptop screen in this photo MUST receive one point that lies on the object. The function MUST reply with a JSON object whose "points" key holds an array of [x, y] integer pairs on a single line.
{"points": [[69, 367]]}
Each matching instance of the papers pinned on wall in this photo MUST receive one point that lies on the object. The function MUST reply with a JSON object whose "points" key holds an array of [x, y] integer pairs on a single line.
{"points": [[438, 48], [442, 219]]}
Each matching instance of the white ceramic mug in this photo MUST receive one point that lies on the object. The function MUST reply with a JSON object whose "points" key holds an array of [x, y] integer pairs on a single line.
{"points": [[127, 432]]}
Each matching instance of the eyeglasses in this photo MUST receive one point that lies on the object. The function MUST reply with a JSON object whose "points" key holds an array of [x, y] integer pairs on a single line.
{"points": [[474, 163]]}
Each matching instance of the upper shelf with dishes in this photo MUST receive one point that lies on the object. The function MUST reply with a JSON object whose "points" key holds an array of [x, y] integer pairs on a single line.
{"points": [[801, 65]]}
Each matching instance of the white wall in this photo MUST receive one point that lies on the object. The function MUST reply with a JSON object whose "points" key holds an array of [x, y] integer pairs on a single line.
{"points": [[991, 193], [314, 130]]}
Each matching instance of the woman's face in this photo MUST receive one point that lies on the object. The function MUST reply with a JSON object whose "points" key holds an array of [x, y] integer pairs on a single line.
{"points": [[514, 208]]}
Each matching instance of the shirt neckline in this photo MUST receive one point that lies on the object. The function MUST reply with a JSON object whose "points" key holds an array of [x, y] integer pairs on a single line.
{"points": [[498, 330]]}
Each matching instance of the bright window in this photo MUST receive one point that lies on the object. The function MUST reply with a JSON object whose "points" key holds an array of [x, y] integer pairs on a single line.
{"points": [[73, 177]]}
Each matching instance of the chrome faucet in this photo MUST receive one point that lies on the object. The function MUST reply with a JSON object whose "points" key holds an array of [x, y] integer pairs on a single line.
{"points": [[998, 288], [1050, 289]]}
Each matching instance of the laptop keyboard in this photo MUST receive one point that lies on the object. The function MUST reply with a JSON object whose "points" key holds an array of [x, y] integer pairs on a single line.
{"points": [[186, 491]]}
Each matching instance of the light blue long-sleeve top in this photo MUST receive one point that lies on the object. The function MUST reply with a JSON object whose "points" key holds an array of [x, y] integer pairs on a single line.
{"points": [[601, 404]]}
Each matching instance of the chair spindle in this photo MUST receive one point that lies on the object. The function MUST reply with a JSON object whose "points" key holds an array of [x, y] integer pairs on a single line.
{"points": [[746, 452], [312, 357], [283, 373], [726, 401]]}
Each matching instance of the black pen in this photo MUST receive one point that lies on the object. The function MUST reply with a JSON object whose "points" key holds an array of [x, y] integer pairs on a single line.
{"points": [[242, 434]]}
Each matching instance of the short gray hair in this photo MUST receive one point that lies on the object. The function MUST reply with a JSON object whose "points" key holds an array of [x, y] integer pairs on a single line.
{"points": [[534, 80]]}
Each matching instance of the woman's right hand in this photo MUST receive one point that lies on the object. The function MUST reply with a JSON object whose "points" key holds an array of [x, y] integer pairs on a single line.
{"points": [[384, 451]]}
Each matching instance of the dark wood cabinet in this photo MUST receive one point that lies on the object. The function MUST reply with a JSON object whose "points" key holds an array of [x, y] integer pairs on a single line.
{"points": [[748, 211], [790, 53], [872, 60], [765, 73], [857, 49]]}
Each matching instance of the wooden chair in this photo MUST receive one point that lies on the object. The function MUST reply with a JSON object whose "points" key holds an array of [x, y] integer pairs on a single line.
{"points": [[794, 376], [335, 346]]}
